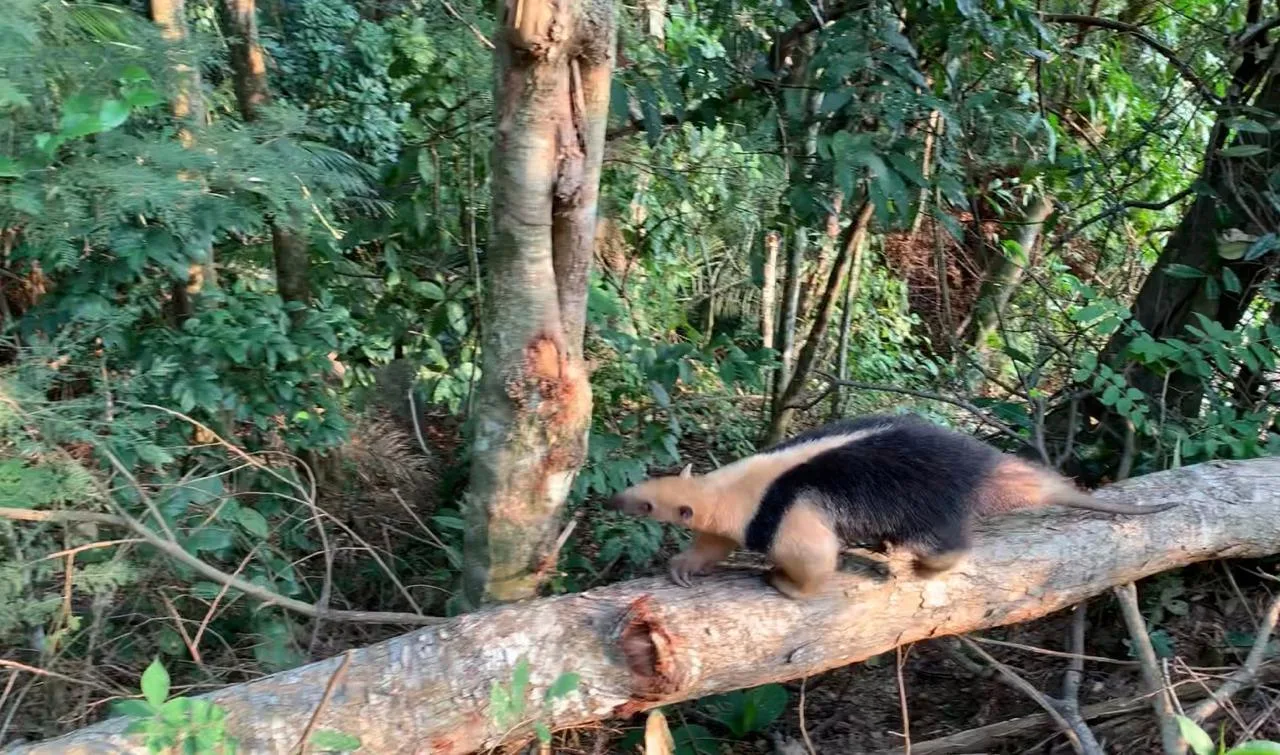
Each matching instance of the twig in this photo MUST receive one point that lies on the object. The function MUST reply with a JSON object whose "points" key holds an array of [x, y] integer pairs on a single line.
{"points": [[973, 409], [1056, 653], [902, 705], [182, 629], [549, 561], [334, 681], [1137, 33], [54, 675], [1151, 676], [175, 551], [1070, 702], [1028, 689], [213, 607], [458, 16], [804, 730], [1245, 675]]}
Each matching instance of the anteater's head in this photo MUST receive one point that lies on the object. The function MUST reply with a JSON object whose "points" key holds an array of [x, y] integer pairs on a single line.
{"points": [[674, 499]]}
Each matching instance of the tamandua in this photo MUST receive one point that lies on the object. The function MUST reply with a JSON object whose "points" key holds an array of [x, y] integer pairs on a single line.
{"points": [[887, 480]]}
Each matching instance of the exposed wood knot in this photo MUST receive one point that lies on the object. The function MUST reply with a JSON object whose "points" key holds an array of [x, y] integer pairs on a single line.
{"points": [[650, 654]]}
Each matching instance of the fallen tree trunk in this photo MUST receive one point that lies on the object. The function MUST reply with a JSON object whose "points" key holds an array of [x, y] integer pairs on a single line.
{"points": [[646, 642]]}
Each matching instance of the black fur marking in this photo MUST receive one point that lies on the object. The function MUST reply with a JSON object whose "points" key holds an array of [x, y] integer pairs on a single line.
{"points": [[914, 484]]}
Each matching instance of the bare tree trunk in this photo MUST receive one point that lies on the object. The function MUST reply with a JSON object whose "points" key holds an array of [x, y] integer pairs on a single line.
{"points": [[647, 643], [769, 289], [248, 63], [934, 130], [818, 270], [785, 406], [846, 324], [799, 75], [533, 404], [249, 68], [187, 106], [1003, 275]]}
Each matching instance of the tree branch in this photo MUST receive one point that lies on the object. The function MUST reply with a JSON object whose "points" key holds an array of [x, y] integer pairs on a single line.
{"points": [[1137, 33], [646, 643]]}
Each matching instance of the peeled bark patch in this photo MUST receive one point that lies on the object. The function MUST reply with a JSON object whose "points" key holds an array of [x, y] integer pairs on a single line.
{"points": [[644, 643]]}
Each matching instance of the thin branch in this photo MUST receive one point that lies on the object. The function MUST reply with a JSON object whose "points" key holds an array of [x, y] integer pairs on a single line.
{"points": [[1027, 688], [1151, 675], [458, 16], [334, 681], [178, 553], [833, 382], [1137, 33], [1245, 675]]}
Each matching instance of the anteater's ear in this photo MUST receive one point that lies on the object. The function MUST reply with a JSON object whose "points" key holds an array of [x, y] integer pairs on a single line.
{"points": [[687, 472]]}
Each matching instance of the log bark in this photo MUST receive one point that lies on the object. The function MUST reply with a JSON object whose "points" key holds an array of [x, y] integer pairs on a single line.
{"points": [[643, 643], [533, 403]]}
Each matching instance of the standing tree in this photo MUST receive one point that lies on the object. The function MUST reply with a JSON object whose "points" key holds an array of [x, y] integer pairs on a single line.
{"points": [[249, 78], [533, 403]]}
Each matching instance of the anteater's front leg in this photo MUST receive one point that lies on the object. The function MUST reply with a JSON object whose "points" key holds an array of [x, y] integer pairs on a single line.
{"points": [[707, 551]]}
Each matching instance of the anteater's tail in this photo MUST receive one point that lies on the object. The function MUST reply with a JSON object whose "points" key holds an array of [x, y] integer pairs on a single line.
{"points": [[1060, 491], [1018, 484]]}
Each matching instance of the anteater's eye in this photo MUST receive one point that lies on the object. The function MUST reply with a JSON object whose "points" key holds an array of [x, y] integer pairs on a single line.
{"points": [[646, 507], [686, 513]]}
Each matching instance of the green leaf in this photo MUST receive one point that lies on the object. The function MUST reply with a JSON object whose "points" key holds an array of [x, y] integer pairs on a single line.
{"points": [[1265, 243], [1243, 150], [112, 114], [155, 684], [1089, 313], [1200, 741], [140, 98], [1183, 271], [9, 168], [254, 523], [208, 538], [563, 685], [543, 733], [520, 684], [1256, 748], [334, 741], [1230, 280], [132, 74], [133, 709]]}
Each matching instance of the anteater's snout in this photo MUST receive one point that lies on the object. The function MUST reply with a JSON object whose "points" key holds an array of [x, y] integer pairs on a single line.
{"points": [[615, 503]]}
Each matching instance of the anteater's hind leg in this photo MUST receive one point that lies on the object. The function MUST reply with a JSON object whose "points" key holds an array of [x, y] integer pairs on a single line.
{"points": [[941, 550]]}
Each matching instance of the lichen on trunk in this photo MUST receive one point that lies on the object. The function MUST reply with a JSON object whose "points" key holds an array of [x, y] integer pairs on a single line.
{"points": [[533, 404]]}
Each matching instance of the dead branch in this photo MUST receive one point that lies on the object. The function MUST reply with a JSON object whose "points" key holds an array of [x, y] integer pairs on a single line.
{"points": [[645, 643], [1152, 677], [1245, 675]]}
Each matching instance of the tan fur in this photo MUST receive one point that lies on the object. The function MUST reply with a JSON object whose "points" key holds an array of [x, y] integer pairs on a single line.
{"points": [[738, 488], [805, 551], [1014, 485]]}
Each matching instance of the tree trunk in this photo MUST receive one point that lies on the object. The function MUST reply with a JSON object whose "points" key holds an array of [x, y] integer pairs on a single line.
{"points": [[249, 79], [187, 106], [785, 407], [799, 76], [248, 63], [533, 404], [769, 289], [188, 101], [646, 643], [846, 325], [1004, 275], [1165, 304]]}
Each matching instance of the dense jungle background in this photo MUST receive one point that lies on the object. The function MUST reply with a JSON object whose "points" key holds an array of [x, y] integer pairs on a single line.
{"points": [[248, 263]]}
